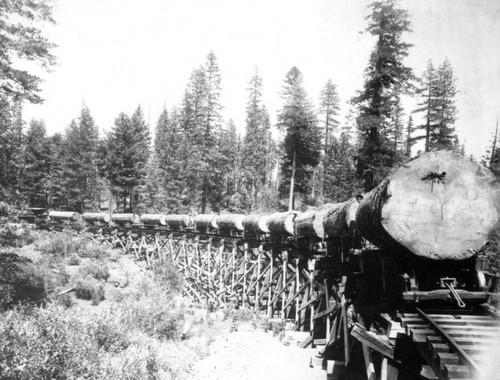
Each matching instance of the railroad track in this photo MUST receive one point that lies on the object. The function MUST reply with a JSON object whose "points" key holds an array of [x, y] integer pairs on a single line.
{"points": [[457, 344]]}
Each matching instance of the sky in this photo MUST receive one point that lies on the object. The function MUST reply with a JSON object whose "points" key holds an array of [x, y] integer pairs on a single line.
{"points": [[114, 55]]}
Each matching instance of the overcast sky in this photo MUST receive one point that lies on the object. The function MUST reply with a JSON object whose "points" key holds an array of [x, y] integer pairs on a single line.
{"points": [[116, 54]]}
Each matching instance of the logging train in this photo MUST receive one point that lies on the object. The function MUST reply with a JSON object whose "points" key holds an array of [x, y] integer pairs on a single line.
{"points": [[416, 237]]}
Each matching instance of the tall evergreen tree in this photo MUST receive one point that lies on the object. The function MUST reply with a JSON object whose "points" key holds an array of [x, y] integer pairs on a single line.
{"points": [[302, 143], [410, 141], [428, 105], [11, 147], [22, 40], [328, 109], [329, 106], [491, 151], [385, 78], [210, 179], [128, 153], [446, 138], [170, 166], [37, 161], [437, 103], [234, 193], [79, 171], [257, 143]]}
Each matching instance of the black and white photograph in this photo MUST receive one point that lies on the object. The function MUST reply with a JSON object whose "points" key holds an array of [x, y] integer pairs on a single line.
{"points": [[265, 189]]}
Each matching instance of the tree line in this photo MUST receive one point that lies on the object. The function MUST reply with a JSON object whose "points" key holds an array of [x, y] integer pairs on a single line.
{"points": [[195, 162]]}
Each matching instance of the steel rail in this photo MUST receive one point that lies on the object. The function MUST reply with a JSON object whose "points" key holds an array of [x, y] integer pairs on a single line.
{"points": [[468, 361]]}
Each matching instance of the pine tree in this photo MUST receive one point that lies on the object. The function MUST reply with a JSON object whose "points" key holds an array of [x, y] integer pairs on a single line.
{"points": [[11, 147], [37, 161], [302, 143], [210, 179], [396, 130], [78, 175], [491, 152], [168, 158], [141, 151], [329, 106], [385, 78], [445, 138], [128, 152], [21, 41], [235, 198], [410, 141], [257, 143], [428, 105], [438, 106]]}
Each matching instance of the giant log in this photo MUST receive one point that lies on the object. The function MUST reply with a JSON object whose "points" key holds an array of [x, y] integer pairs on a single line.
{"points": [[438, 205], [311, 223], [282, 223], [340, 220]]}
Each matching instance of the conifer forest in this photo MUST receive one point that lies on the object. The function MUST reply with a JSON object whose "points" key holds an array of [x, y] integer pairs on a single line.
{"points": [[191, 160]]}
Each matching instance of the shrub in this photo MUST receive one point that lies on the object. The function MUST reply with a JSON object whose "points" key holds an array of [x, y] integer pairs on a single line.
{"points": [[60, 244], [167, 276], [74, 259], [98, 270], [16, 235], [22, 281], [66, 300], [46, 344], [88, 288], [92, 250], [153, 311], [110, 337]]}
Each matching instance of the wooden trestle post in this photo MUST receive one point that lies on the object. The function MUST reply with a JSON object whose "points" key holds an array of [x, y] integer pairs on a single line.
{"points": [[220, 262], [244, 274], [233, 258], [208, 259], [259, 267], [297, 287], [270, 291], [284, 294]]}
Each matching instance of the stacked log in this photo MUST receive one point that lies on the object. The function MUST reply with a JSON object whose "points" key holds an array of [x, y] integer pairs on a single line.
{"points": [[230, 222], [127, 218], [341, 220], [256, 224], [63, 215], [205, 221], [282, 223], [311, 223], [178, 221], [154, 219], [438, 206], [96, 217]]}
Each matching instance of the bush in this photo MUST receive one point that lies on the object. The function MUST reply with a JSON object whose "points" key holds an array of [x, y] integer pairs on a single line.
{"points": [[16, 235], [74, 259], [21, 281], [60, 244], [111, 338], [66, 300], [43, 344], [98, 270], [92, 250], [153, 311], [167, 276], [88, 288]]}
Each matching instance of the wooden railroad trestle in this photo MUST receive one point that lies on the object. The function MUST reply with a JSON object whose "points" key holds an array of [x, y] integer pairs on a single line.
{"points": [[224, 270]]}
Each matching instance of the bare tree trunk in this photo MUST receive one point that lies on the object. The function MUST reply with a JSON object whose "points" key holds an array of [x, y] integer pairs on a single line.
{"points": [[292, 181]]}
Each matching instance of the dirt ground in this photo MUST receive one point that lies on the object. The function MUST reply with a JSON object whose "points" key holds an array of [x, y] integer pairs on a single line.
{"points": [[254, 354]]}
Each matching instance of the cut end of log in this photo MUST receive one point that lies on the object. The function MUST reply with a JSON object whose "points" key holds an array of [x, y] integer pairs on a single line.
{"points": [[438, 206]]}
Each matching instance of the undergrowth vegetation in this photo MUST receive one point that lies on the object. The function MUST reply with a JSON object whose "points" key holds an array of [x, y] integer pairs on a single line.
{"points": [[73, 309]]}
